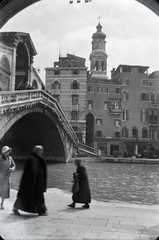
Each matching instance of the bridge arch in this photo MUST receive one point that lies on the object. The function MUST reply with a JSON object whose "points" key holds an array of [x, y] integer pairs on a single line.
{"points": [[33, 126]]}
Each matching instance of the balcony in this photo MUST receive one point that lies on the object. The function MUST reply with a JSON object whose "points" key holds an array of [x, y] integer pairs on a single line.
{"points": [[55, 91], [74, 108], [74, 91], [115, 110]]}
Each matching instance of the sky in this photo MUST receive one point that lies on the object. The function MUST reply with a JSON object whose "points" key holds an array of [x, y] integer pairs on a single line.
{"points": [[57, 27]]}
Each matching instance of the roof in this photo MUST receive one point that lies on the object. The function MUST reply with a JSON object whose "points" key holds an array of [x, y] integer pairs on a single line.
{"points": [[5, 37], [142, 69]]}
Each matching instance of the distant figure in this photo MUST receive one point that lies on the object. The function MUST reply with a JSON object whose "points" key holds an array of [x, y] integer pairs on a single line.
{"points": [[7, 166], [81, 192], [30, 197], [125, 153]]}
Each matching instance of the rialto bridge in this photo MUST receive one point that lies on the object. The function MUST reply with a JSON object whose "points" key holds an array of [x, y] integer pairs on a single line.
{"points": [[31, 117]]}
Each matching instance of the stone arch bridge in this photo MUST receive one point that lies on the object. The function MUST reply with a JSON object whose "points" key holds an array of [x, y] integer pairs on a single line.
{"points": [[34, 117]]}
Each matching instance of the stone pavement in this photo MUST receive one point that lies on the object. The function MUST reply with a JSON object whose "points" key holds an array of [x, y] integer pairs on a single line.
{"points": [[104, 221]]}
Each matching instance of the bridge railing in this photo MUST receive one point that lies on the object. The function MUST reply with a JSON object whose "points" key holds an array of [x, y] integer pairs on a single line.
{"points": [[18, 96], [89, 149], [51, 101]]}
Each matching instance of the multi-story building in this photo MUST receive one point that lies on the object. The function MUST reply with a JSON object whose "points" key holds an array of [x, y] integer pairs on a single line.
{"points": [[66, 81], [122, 112]]}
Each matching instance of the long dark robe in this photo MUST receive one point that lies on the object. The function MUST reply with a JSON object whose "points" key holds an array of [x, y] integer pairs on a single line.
{"points": [[30, 197], [83, 195]]}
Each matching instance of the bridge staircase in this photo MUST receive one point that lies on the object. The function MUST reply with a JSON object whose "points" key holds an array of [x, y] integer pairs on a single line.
{"points": [[89, 151]]}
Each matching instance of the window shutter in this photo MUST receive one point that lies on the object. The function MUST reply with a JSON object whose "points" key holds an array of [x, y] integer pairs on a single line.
{"points": [[127, 113], [141, 115]]}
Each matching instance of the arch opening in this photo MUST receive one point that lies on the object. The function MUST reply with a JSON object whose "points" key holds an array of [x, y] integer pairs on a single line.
{"points": [[34, 129]]}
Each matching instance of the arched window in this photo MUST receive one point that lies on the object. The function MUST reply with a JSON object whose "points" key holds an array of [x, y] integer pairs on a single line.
{"points": [[155, 96], [125, 132], [75, 85], [151, 96], [125, 95], [144, 115], [144, 96], [5, 63], [134, 132], [34, 84], [97, 66], [102, 65], [144, 133], [56, 85]]}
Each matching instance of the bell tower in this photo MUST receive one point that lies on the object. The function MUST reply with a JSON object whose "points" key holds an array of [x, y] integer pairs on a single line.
{"points": [[98, 57]]}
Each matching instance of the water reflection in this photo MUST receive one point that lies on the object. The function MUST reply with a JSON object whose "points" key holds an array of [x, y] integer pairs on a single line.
{"points": [[109, 182]]}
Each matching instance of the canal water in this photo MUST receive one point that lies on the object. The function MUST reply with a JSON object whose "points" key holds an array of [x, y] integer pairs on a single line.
{"points": [[109, 182]]}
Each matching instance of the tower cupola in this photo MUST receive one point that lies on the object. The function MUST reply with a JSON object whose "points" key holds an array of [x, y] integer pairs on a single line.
{"points": [[98, 57]]}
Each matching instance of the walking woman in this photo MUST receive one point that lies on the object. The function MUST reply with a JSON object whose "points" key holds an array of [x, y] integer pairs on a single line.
{"points": [[30, 197], [7, 166], [82, 193]]}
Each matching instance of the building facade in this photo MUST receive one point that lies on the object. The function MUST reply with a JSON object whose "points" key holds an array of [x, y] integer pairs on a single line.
{"points": [[122, 112], [66, 81], [17, 53]]}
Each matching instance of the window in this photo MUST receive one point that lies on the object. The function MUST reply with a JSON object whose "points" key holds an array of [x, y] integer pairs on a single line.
{"points": [[144, 96], [106, 90], [117, 122], [154, 134], [117, 134], [144, 83], [115, 105], [75, 85], [106, 105], [144, 115], [96, 66], [90, 104], [134, 132], [56, 85], [117, 90], [125, 95], [99, 90], [74, 100], [99, 121], [98, 134], [102, 65], [90, 89], [151, 84], [125, 81], [153, 116], [144, 133], [73, 115], [151, 96], [75, 71], [125, 115], [124, 132], [56, 72], [5, 63]]}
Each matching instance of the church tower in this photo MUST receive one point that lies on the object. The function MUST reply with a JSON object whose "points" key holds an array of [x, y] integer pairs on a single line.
{"points": [[98, 57]]}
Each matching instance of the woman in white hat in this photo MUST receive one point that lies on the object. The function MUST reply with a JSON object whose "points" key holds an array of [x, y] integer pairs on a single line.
{"points": [[7, 166]]}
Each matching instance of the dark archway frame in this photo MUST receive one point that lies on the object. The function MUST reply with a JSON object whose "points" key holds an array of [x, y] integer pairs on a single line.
{"points": [[8, 9]]}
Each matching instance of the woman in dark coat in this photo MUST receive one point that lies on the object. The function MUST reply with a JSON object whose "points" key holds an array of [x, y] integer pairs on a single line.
{"points": [[30, 197], [82, 193]]}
